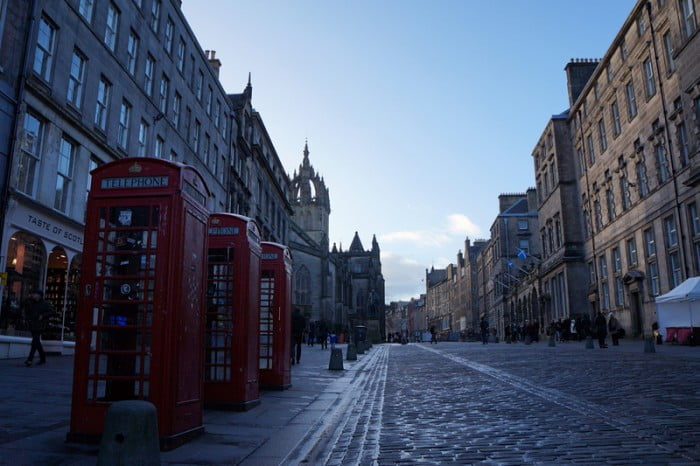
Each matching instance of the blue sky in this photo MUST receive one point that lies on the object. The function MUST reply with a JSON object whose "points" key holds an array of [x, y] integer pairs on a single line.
{"points": [[418, 114]]}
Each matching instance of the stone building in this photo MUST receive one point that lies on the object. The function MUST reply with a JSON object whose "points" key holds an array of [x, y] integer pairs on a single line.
{"points": [[99, 81], [360, 285], [562, 268], [508, 259], [634, 129]]}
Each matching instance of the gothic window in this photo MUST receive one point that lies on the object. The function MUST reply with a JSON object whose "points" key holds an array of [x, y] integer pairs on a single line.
{"points": [[302, 285]]}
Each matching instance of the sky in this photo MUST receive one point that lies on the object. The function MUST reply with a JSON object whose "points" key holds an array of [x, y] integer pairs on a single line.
{"points": [[418, 113]]}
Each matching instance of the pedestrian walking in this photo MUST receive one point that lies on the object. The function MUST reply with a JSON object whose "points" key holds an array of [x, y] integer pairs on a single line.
{"points": [[323, 335], [298, 326], [600, 325], [37, 313], [433, 335], [614, 328], [484, 331]]}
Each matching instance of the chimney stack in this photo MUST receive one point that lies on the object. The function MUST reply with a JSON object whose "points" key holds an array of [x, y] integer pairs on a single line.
{"points": [[213, 61]]}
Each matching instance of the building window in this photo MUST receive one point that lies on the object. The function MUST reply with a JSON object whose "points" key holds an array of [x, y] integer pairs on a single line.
{"points": [[177, 102], [169, 30], [650, 84], [623, 51], [217, 113], [45, 45], [631, 100], [148, 75], [66, 158], [30, 143], [688, 23], [598, 212], [603, 267], [224, 126], [662, 162], [670, 232], [85, 8], [654, 284], [205, 154], [143, 139], [102, 105], [155, 15], [591, 151], [523, 225], [632, 260], [164, 86], [619, 292], [609, 72], [181, 55], [524, 245], [625, 190], [616, 260], [210, 93], [586, 224], [195, 138], [557, 232], [76, 79], [668, 52], [649, 243], [674, 266], [553, 171], [111, 27], [610, 203], [158, 150], [642, 181], [641, 25], [124, 122], [591, 273], [615, 114], [683, 148], [200, 84], [132, 51], [693, 219], [603, 136]]}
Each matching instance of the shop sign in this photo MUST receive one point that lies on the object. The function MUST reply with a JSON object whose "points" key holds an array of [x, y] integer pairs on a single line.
{"points": [[43, 226]]}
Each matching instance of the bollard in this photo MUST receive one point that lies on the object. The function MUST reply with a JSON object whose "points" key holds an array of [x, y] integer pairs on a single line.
{"points": [[336, 362], [551, 340], [130, 434], [352, 353], [649, 345], [360, 347], [589, 342]]}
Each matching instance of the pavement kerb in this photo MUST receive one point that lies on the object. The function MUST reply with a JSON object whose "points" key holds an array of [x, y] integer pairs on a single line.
{"points": [[323, 429]]}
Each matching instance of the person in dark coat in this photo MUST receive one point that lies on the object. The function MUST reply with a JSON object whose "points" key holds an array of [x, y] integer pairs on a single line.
{"points": [[433, 335], [298, 326], [484, 331], [614, 328], [601, 328], [37, 313]]}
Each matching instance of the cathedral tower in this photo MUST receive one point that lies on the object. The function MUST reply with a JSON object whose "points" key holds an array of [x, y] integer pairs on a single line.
{"points": [[310, 201]]}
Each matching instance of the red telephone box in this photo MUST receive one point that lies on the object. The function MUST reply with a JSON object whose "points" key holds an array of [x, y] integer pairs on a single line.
{"points": [[231, 379], [275, 316], [140, 319]]}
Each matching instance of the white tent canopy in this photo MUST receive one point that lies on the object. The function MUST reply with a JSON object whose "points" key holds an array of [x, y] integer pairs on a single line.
{"points": [[680, 307]]}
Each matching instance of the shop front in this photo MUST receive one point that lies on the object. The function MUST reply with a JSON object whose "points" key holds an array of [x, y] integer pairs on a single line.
{"points": [[39, 252]]}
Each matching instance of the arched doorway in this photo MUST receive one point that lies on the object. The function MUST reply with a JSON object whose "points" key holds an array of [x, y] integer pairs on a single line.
{"points": [[55, 292], [26, 259]]}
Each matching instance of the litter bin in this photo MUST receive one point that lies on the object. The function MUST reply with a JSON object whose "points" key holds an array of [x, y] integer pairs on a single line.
{"points": [[360, 333]]}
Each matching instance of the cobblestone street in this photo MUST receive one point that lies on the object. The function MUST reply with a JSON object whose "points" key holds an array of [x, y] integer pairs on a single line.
{"points": [[513, 404]]}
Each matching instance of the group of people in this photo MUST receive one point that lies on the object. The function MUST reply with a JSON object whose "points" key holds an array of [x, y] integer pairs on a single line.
{"points": [[578, 329], [314, 332]]}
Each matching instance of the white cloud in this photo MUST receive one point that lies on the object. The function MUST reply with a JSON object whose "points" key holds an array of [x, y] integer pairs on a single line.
{"points": [[460, 224], [420, 238], [456, 225], [404, 277]]}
